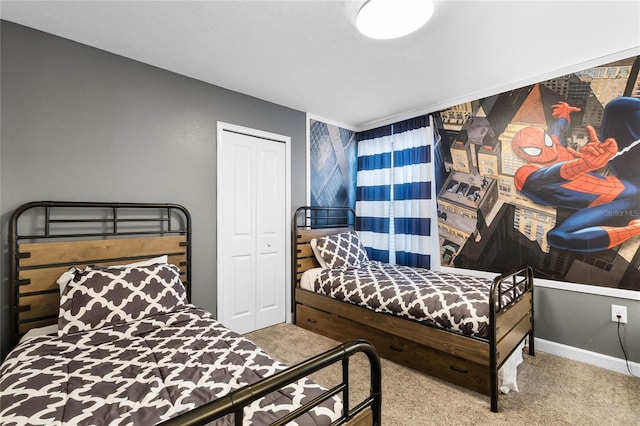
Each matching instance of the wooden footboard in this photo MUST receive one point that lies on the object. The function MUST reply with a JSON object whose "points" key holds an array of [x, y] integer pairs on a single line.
{"points": [[465, 361], [510, 322]]}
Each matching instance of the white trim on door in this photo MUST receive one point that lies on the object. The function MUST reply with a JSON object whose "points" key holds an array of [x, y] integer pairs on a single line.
{"points": [[222, 127]]}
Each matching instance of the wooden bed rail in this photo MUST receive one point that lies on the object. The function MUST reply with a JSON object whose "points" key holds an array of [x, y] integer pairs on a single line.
{"points": [[360, 415]]}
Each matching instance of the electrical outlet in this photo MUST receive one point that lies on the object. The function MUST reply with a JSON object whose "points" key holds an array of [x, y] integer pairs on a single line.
{"points": [[617, 310]]}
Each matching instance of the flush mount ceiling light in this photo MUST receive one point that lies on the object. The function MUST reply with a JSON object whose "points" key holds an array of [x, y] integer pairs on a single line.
{"points": [[385, 19]]}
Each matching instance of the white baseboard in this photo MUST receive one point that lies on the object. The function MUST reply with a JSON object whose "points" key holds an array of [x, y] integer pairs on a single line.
{"points": [[599, 360]]}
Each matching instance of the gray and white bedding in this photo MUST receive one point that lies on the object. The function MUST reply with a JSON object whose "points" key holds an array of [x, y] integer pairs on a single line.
{"points": [[455, 302], [143, 372], [129, 350], [507, 374]]}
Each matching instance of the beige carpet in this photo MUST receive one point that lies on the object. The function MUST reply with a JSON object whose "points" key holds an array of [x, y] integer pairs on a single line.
{"points": [[553, 390]]}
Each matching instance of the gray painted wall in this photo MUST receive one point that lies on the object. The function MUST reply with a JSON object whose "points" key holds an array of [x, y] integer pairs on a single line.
{"points": [[583, 320], [82, 124]]}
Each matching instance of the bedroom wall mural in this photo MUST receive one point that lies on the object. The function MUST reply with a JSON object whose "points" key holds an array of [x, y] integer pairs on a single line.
{"points": [[548, 175], [332, 169]]}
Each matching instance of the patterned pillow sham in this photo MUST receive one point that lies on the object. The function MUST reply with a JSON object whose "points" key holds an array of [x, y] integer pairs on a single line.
{"points": [[100, 296], [342, 250], [68, 275]]}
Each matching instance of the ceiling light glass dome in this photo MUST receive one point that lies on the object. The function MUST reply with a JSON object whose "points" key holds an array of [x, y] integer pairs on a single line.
{"points": [[386, 19]]}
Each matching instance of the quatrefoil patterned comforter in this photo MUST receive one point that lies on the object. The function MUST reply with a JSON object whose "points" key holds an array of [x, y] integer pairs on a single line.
{"points": [[456, 302], [143, 372]]}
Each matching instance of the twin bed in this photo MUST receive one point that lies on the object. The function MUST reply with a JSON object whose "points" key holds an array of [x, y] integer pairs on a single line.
{"points": [[105, 333], [460, 328]]}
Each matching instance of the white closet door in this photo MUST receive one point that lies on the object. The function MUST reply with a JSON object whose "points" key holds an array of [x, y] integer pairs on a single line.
{"points": [[253, 226], [271, 228]]}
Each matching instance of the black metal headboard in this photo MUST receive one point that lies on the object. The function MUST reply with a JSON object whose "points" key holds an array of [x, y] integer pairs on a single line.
{"points": [[312, 217], [47, 237]]}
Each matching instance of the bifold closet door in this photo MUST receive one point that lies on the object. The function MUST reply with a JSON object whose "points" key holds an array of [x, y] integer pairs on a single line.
{"points": [[254, 226]]}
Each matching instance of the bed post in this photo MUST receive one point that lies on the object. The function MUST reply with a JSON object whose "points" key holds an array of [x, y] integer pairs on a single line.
{"points": [[294, 260], [532, 351], [493, 367]]}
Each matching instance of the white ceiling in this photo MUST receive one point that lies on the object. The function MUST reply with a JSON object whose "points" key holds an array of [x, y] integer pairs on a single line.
{"points": [[307, 55]]}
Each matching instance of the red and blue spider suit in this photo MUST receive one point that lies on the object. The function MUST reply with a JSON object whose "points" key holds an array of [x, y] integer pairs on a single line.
{"points": [[607, 209]]}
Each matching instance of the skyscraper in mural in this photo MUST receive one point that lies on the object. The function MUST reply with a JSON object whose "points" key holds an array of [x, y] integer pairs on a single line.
{"points": [[332, 165]]}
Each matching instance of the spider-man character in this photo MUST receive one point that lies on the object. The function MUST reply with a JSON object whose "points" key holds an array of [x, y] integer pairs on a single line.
{"points": [[607, 209]]}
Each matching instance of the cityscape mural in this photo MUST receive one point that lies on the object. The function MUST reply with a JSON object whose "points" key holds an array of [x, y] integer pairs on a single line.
{"points": [[546, 175], [332, 153]]}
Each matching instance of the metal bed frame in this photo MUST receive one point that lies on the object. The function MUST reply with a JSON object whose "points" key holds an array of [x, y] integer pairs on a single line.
{"points": [[123, 232], [463, 360]]}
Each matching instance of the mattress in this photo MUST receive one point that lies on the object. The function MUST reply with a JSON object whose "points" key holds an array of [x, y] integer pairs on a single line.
{"points": [[144, 372], [308, 279], [455, 302]]}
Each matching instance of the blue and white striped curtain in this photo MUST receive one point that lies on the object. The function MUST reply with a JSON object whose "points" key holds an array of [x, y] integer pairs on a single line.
{"points": [[393, 192], [373, 196], [412, 196]]}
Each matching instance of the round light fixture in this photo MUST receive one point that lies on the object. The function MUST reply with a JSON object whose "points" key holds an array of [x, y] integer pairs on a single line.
{"points": [[385, 19]]}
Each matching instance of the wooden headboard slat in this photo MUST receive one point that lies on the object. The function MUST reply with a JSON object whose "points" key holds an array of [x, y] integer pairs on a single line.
{"points": [[307, 263], [306, 235], [40, 305], [96, 251], [44, 278], [41, 297], [304, 250], [40, 279], [26, 326]]}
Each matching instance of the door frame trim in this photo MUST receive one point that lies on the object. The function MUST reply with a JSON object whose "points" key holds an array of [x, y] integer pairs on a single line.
{"points": [[221, 128]]}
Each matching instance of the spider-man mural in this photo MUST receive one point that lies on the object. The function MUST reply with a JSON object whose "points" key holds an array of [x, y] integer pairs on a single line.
{"points": [[606, 206]]}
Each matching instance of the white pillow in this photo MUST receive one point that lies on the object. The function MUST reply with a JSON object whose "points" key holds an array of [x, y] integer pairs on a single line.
{"points": [[160, 259], [316, 252], [68, 275]]}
